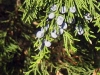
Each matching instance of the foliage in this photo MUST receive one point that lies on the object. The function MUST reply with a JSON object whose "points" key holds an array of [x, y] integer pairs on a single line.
{"points": [[50, 37]]}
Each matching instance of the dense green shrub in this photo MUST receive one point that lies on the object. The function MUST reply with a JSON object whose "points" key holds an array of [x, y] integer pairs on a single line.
{"points": [[49, 37]]}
